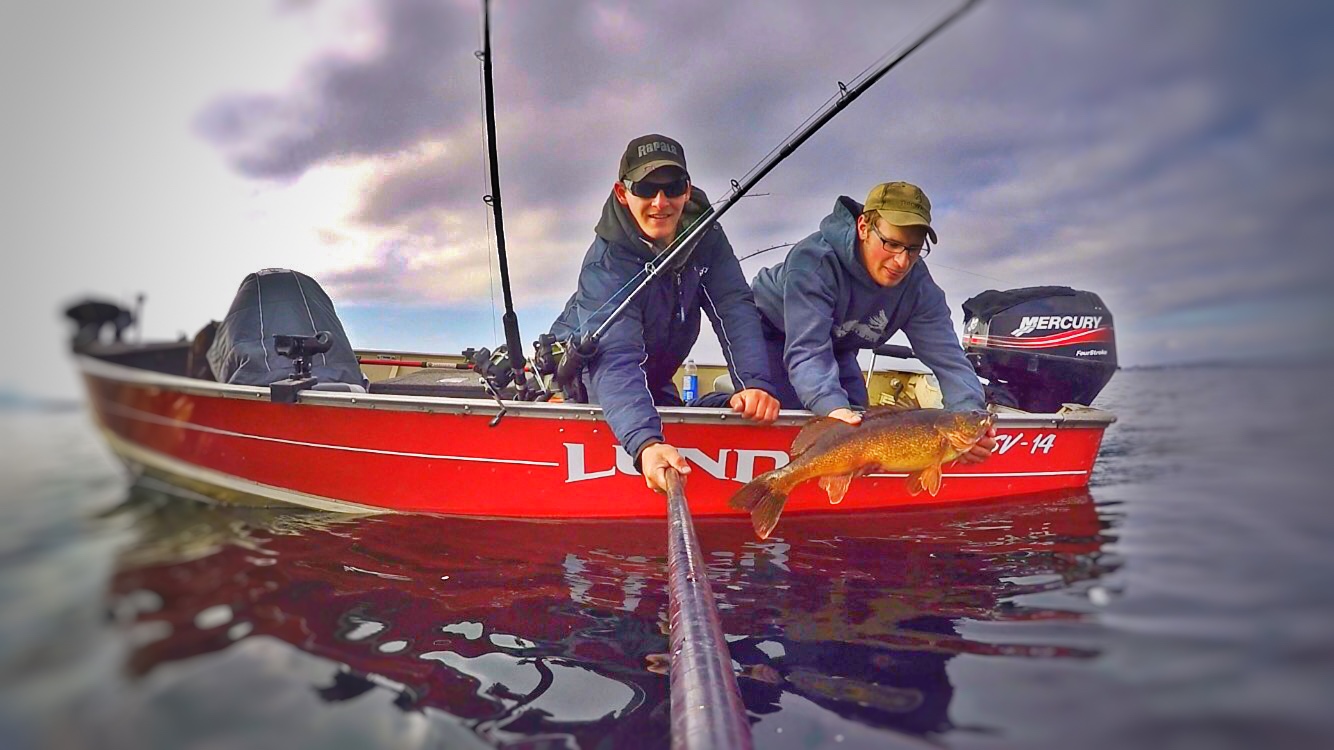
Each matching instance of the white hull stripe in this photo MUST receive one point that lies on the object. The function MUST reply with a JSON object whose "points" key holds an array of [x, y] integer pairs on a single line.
{"points": [[1000, 474], [144, 416], [145, 457]]}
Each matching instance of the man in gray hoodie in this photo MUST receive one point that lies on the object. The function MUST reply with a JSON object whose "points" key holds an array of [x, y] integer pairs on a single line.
{"points": [[850, 286]]}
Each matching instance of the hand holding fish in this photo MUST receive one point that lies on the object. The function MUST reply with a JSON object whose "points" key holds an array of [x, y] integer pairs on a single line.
{"points": [[981, 450], [891, 439], [846, 415]]}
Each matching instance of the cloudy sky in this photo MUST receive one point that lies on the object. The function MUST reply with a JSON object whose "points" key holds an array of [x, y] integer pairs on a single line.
{"points": [[1173, 157]]}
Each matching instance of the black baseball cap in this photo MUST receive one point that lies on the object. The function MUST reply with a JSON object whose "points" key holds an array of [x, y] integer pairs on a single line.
{"points": [[649, 152]]}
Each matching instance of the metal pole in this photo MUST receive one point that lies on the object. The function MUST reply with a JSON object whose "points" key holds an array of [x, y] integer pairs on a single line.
{"points": [[706, 704]]}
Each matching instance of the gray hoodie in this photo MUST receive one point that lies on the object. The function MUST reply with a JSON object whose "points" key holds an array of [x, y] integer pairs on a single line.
{"points": [[827, 308]]}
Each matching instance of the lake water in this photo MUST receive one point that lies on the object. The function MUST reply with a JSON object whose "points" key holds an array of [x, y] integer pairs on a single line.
{"points": [[1185, 600]]}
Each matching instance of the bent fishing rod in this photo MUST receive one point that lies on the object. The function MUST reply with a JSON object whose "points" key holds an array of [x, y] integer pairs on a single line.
{"points": [[513, 343], [579, 353]]}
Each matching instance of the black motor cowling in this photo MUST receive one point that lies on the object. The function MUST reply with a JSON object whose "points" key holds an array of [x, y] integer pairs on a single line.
{"points": [[280, 309], [1040, 347], [92, 316]]}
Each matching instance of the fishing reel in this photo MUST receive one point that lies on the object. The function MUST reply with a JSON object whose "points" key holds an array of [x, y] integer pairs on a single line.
{"points": [[546, 354], [563, 361], [493, 366], [497, 373], [556, 366]]}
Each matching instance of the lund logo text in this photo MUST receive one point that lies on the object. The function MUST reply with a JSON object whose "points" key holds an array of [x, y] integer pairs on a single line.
{"points": [[738, 465]]}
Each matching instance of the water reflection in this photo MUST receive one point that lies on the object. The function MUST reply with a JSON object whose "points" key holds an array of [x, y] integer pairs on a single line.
{"points": [[862, 618], [544, 632]]}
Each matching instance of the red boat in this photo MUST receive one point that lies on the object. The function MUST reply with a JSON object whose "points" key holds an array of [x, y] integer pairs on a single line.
{"points": [[390, 450], [418, 446]]}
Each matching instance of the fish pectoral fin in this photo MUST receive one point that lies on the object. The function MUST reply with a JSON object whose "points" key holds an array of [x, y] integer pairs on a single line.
{"points": [[915, 483], [927, 479], [836, 486], [960, 443]]}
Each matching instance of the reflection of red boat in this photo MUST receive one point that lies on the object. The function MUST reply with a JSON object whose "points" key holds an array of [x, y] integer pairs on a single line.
{"points": [[384, 451], [513, 629]]}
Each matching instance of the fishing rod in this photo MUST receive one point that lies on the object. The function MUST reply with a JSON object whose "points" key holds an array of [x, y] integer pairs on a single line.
{"points": [[577, 354], [422, 363], [513, 343]]}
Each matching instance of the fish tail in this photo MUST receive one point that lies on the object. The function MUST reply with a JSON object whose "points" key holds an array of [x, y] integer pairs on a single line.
{"points": [[764, 499]]}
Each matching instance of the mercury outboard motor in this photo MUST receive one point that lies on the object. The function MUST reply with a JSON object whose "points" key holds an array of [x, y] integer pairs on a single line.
{"points": [[1040, 347]]}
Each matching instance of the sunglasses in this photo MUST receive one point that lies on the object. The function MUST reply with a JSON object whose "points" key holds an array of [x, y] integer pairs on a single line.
{"points": [[649, 190]]}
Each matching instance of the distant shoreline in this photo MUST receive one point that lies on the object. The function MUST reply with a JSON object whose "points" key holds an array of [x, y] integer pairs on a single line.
{"points": [[18, 402]]}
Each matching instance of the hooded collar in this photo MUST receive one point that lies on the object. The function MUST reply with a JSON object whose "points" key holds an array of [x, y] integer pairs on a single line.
{"points": [[618, 227], [839, 231]]}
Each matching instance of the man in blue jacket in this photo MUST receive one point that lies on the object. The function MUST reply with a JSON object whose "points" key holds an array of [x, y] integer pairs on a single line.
{"points": [[850, 286], [631, 373]]}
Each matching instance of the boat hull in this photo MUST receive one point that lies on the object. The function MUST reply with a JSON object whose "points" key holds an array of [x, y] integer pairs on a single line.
{"points": [[378, 453]]}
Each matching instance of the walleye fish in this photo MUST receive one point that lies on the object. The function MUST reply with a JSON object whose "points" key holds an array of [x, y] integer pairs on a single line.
{"points": [[889, 438]]}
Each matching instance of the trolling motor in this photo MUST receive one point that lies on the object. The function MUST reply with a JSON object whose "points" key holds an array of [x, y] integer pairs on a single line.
{"points": [[299, 349], [92, 316]]}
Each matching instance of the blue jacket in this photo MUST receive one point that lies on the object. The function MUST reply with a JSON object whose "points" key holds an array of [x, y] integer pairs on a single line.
{"points": [[828, 308], [639, 354]]}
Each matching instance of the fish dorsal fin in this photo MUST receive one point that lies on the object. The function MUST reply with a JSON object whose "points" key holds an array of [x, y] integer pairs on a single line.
{"points": [[814, 430], [886, 410]]}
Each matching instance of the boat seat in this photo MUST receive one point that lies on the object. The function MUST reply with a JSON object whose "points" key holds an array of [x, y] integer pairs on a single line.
{"points": [[338, 387], [724, 383], [436, 383]]}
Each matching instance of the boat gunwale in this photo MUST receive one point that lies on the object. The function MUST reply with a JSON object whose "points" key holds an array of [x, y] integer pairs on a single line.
{"points": [[1075, 417]]}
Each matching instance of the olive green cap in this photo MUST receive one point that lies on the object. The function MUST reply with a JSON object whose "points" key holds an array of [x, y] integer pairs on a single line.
{"points": [[902, 204]]}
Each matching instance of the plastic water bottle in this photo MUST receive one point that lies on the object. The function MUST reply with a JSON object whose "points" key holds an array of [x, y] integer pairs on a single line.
{"points": [[690, 391]]}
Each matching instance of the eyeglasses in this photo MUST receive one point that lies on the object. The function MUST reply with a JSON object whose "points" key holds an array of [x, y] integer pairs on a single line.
{"points": [[894, 247], [649, 190]]}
